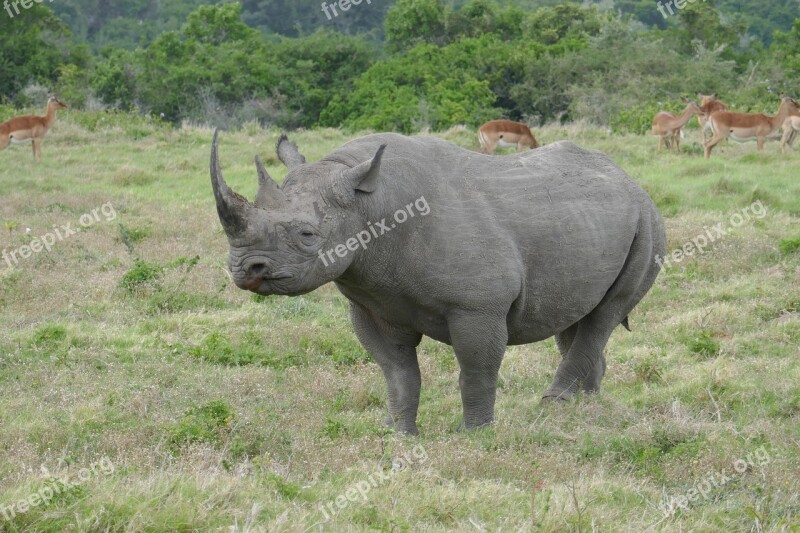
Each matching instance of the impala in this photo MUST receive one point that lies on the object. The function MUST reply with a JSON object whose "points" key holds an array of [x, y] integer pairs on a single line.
{"points": [[743, 127], [790, 128], [708, 104], [666, 125], [30, 128], [505, 134]]}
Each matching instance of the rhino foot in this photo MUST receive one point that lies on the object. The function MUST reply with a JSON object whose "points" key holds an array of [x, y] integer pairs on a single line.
{"points": [[552, 396], [408, 429], [463, 428]]}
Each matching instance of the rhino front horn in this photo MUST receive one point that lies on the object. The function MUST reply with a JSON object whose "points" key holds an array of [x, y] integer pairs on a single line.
{"points": [[231, 206]]}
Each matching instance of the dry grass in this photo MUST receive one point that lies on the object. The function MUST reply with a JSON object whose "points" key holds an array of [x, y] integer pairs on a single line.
{"points": [[221, 411]]}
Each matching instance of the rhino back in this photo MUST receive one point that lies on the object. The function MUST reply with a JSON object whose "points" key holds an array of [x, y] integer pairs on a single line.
{"points": [[540, 236]]}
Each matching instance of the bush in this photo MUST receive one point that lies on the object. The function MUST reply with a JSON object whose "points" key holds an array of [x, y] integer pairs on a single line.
{"points": [[209, 424], [704, 344], [790, 245]]}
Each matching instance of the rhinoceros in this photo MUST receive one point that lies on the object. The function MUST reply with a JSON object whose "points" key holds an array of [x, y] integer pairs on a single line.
{"points": [[514, 249]]}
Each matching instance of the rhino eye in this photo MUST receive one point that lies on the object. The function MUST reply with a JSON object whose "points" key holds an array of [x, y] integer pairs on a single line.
{"points": [[307, 237]]}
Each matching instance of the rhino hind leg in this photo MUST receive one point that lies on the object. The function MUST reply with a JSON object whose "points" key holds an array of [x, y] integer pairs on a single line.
{"points": [[591, 383], [583, 361], [395, 351], [565, 338]]}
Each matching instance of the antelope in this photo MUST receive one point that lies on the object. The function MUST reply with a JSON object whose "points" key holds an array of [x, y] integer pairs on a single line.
{"points": [[31, 128], [790, 128], [666, 125], [708, 104], [505, 134], [743, 127]]}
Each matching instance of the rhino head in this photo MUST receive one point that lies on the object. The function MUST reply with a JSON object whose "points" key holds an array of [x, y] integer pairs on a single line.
{"points": [[277, 242]]}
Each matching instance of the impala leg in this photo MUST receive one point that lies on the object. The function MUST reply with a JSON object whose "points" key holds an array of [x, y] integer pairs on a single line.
{"points": [[37, 149], [715, 140], [760, 143], [785, 139], [526, 144], [5, 140]]}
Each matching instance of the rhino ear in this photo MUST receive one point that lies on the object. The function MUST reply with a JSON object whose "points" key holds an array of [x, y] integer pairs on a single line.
{"points": [[364, 177], [288, 153], [269, 195]]}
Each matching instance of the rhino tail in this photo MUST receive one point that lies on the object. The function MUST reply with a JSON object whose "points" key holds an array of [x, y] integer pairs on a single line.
{"points": [[625, 323]]}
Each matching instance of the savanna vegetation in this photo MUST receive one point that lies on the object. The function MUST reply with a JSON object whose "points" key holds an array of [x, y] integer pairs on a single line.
{"points": [[220, 409], [425, 64], [126, 343]]}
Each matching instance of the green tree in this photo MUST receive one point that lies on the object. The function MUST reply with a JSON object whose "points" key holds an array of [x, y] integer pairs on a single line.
{"points": [[427, 87], [37, 45], [787, 50], [702, 22], [114, 80], [410, 22]]}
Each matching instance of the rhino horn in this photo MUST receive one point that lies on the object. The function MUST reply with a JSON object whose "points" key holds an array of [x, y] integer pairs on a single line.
{"points": [[288, 153], [231, 206], [269, 195], [364, 177]]}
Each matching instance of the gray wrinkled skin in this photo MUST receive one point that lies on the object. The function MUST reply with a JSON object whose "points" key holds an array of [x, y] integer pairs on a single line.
{"points": [[516, 249]]}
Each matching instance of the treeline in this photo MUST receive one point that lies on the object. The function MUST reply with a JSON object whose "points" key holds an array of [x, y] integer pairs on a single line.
{"points": [[132, 23], [432, 66]]}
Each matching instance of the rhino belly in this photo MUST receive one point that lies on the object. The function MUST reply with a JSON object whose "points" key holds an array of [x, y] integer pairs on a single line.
{"points": [[566, 278], [545, 313]]}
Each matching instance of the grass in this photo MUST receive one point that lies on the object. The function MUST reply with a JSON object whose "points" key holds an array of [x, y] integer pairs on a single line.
{"points": [[220, 409]]}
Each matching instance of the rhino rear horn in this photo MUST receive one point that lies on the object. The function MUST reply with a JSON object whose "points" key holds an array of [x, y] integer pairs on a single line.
{"points": [[231, 206], [364, 177], [288, 153], [269, 195]]}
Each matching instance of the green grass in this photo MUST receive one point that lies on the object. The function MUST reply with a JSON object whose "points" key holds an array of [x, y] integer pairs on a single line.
{"points": [[220, 409]]}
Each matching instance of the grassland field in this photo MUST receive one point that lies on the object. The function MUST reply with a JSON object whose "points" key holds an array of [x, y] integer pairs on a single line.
{"points": [[127, 345]]}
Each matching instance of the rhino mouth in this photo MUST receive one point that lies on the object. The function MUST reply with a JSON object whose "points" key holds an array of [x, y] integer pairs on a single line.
{"points": [[278, 276], [260, 282]]}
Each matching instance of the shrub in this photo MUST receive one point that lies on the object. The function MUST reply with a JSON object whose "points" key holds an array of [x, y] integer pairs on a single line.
{"points": [[704, 344], [790, 245], [141, 274], [208, 423]]}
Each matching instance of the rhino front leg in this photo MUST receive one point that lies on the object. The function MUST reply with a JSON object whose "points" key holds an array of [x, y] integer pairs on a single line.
{"points": [[480, 343], [395, 351]]}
